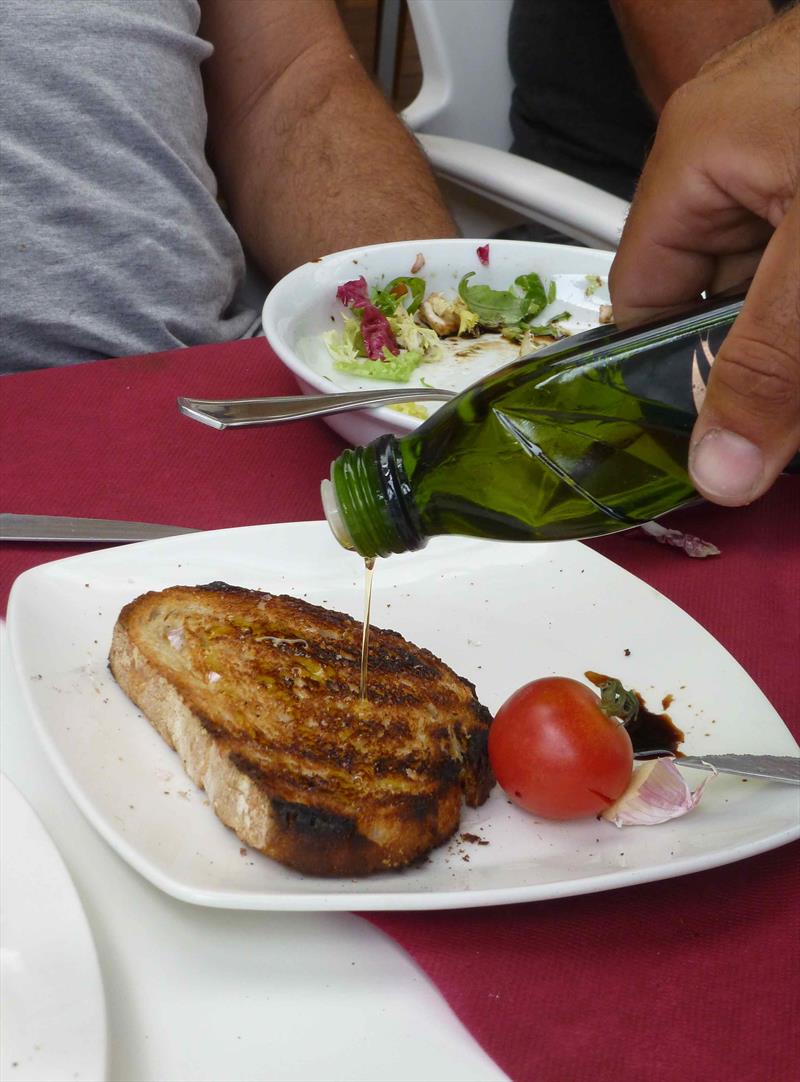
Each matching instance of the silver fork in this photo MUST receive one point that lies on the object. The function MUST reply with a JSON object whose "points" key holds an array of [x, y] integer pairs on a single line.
{"points": [[247, 412]]}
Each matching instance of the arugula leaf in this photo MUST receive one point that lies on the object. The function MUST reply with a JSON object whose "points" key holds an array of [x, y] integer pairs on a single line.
{"points": [[493, 307], [514, 332], [396, 292], [550, 327], [535, 296], [506, 307]]}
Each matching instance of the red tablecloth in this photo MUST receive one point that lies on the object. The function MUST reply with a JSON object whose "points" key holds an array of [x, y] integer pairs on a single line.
{"points": [[691, 978]]}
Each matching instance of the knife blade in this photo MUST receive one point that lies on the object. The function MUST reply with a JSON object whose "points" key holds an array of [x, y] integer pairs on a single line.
{"points": [[68, 528], [782, 768]]}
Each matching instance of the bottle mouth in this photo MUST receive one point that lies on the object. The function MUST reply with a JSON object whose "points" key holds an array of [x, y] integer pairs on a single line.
{"points": [[333, 514], [367, 503]]}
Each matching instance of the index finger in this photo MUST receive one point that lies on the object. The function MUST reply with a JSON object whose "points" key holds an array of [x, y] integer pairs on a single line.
{"points": [[681, 226]]}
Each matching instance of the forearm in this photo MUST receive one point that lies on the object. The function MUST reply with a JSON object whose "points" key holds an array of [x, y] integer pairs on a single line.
{"points": [[334, 169], [312, 159], [668, 41]]}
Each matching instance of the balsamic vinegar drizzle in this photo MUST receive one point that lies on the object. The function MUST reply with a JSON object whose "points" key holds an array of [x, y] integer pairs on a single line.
{"points": [[369, 568], [652, 735]]}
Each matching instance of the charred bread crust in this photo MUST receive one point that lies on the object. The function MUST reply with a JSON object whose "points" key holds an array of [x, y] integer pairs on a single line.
{"points": [[310, 814]]}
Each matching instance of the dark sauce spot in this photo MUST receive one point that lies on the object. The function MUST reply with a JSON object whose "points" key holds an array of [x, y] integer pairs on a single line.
{"points": [[652, 735]]}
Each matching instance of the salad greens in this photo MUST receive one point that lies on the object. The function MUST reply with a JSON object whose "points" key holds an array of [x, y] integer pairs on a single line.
{"points": [[391, 330], [593, 283], [504, 307], [388, 298]]}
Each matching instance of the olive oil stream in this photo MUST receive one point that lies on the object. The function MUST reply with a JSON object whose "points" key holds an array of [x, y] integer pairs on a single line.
{"points": [[369, 570], [652, 735]]}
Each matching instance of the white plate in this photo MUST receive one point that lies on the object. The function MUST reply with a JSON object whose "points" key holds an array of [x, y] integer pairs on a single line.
{"points": [[303, 305], [503, 614], [52, 1009]]}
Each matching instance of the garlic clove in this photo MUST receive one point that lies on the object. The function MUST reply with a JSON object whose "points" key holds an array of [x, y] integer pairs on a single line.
{"points": [[657, 793]]}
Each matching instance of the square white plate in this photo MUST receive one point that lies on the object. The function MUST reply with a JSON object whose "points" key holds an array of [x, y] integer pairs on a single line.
{"points": [[499, 614]]}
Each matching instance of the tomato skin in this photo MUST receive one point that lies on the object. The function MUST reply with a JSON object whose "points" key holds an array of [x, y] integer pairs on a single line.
{"points": [[556, 754]]}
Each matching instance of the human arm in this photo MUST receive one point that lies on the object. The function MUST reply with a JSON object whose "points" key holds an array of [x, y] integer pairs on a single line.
{"points": [[719, 202], [668, 42], [310, 157]]}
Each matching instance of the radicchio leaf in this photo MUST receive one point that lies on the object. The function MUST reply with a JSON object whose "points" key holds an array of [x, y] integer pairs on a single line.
{"points": [[354, 294], [377, 333], [375, 329]]}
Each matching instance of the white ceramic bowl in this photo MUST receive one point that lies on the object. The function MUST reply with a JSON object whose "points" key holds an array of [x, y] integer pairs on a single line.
{"points": [[303, 305]]}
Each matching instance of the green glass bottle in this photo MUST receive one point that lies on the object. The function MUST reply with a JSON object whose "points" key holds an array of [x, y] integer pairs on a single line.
{"points": [[584, 438]]}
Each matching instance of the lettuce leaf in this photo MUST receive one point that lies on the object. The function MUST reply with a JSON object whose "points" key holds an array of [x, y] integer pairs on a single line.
{"points": [[412, 335], [413, 409], [375, 330], [392, 367], [347, 344]]}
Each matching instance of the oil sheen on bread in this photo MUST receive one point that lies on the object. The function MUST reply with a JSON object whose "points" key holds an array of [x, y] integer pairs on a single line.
{"points": [[259, 695]]}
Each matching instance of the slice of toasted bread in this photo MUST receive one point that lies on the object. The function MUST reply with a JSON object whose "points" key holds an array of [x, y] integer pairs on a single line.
{"points": [[259, 695]]}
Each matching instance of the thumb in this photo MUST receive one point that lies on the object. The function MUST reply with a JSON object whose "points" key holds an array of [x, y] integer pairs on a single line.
{"points": [[749, 426]]}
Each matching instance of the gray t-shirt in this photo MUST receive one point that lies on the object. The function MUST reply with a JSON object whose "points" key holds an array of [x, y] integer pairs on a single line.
{"points": [[112, 241]]}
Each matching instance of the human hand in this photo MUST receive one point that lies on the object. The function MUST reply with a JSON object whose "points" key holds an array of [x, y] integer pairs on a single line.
{"points": [[718, 203]]}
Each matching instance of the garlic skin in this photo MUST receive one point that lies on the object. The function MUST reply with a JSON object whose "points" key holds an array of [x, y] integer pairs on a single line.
{"points": [[657, 793]]}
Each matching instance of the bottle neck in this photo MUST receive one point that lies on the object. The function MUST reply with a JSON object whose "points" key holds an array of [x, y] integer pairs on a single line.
{"points": [[368, 501]]}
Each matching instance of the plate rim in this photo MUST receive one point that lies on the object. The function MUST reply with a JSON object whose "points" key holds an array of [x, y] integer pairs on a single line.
{"points": [[78, 920], [320, 901]]}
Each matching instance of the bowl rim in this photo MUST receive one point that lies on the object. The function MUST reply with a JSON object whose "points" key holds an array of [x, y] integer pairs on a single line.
{"points": [[271, 309]]}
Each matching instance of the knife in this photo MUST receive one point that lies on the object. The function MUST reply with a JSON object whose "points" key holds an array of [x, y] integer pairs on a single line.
{"points": [[783, 768], [67, 528]]}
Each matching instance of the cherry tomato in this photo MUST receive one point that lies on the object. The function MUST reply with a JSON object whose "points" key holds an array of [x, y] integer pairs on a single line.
{"points": [[556, 753]]}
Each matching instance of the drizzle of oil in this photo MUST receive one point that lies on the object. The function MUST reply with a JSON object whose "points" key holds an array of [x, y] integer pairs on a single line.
{"points": [[369, 569]]}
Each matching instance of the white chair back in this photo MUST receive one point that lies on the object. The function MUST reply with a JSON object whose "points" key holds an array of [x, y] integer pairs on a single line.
{"points": [[466, 81], [461, 118]]}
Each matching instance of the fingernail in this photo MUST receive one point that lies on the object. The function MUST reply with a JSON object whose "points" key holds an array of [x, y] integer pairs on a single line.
{"points": [[726, 466]]}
